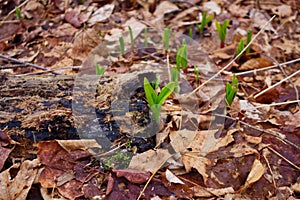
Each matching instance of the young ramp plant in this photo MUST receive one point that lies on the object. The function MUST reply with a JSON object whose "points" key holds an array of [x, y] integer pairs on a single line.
{"points": [[231, 90], [155, 100], [222, 31]]}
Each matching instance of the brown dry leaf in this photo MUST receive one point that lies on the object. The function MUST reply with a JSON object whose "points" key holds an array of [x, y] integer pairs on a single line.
{"points": [[18, 187], [71, 189], [75, 18], [255, 63], [242, 149], [133, 176], [282, 10], [54, 195], [181, 139], [211, 192], [82, 144], [84, 42], [5, 141], [101, 14], [163, 8], [255, 174], [288, 46], [48, 176], [64, 30], [136, 26], [260, 18], [150, 160], [204, 143], [212, 7]]}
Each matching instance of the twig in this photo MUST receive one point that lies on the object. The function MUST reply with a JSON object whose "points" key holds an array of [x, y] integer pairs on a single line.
{"points": [[262, 69], [291, 82], [281, 156], [276, 104], [271, 87], [151, 177], [271, 171], [232, 61], [29, 64], [12, 66], [261, 130]]}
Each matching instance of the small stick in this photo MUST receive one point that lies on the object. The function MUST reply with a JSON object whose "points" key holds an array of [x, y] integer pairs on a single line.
{"points": [[229, 64], [261, 130], [281, 156], [29, 64], [151, 177], [277, 104], [291, 82], [262, 69], [271, 87]]}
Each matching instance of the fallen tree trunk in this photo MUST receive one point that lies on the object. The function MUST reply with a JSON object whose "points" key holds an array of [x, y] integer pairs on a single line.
{"points": [[47, 107]]}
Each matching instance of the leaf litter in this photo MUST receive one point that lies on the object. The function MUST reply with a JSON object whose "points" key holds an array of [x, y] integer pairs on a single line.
{"points": [[251, 151]]}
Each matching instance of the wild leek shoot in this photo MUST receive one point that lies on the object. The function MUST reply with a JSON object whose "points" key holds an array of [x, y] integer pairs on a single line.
{"points": [[231, 90], [182, 56], [205, 21], [99, 70], [122, 46], [249, 38], [155, 100], [222, 31], [166, 37], [131, 35]]}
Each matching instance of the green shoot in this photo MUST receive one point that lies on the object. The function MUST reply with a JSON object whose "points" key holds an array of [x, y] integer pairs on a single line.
{"points": [[205, 21], [18, 13], [166, 37], [131, 35], [240, 47], [249, 37], [191, 34], [146, 38], [155, 100], [155, 84], [175, 78], [99, 70], [197, 72], [231, 90], [122, 45], [182, 56], [222, 31]]}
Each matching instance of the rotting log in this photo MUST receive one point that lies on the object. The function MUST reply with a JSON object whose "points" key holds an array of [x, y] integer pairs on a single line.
{"points": [[40, 107]]}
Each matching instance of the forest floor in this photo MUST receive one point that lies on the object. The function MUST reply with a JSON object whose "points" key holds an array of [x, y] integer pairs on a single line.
{"points": [[76, 121]]}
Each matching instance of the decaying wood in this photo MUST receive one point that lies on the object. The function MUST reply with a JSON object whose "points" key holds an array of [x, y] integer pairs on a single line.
{"points": [[44, 103]]}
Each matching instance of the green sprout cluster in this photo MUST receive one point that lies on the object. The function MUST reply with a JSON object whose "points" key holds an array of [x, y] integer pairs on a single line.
{"points": [[241, 45], [155, 100], [222, 31], [99, 70], [205, 20], [231, 90]]}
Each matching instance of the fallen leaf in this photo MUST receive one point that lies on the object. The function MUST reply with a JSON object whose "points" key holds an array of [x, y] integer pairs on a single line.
{"points": [[101, 14], [18, 187], [149, 160], [212, 7], [74, 18], [255, 173], [5, 141], [172, 178], [255, 63], [211, 192], [282, 10]]}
